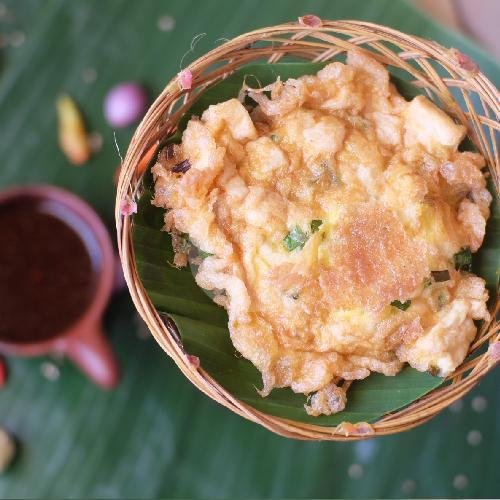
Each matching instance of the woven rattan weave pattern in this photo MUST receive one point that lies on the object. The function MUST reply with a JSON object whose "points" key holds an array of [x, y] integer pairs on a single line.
{"points": [[431, 67]]}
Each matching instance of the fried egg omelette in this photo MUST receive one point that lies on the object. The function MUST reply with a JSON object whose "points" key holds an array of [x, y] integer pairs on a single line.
{"points": [[334, 221]]}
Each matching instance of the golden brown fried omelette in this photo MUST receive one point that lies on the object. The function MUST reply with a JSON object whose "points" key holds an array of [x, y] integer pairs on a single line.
{"points": [[331, 215]]}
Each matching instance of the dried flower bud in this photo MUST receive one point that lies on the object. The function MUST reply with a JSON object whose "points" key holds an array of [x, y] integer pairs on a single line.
{"points": [[128, 207], [185, 78], [310, 20], [464, 61], [73, 139], [194, 360]]}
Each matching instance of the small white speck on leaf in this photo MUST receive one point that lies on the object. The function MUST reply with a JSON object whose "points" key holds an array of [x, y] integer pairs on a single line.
{"points": [[479, 404], [16, 39], [355, 471], [457, 406], [95, 142], [166, 23], [89, 74], [365, 450], [408, 486], [49, 370], [460, 482], [474, 437]]}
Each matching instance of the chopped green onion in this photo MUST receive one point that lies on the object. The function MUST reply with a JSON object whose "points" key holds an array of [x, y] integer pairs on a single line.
{"points": [[296, 238], [401, 305], [442, 300], [463, 259], [204, 254], [315, 223], [275, 137]]}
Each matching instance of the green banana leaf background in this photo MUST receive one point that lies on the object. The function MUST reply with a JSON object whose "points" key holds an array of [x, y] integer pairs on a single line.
{"points": [[156, 435]]}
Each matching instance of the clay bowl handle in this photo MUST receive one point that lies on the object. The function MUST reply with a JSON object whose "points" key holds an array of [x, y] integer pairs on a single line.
{"points": [[91, 352]]}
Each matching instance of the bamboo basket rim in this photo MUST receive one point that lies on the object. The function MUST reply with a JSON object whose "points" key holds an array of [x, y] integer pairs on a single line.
{"points": [[418, 57]]}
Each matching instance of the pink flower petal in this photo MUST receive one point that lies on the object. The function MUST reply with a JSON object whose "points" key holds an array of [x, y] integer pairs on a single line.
{"points": [[185, 78], [465, 62], [128, 207], [194, 360], [310, 20], [494, 351]]}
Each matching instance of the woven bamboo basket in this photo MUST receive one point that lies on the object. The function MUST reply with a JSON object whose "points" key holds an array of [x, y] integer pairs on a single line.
{"points": [[424, 62]]}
